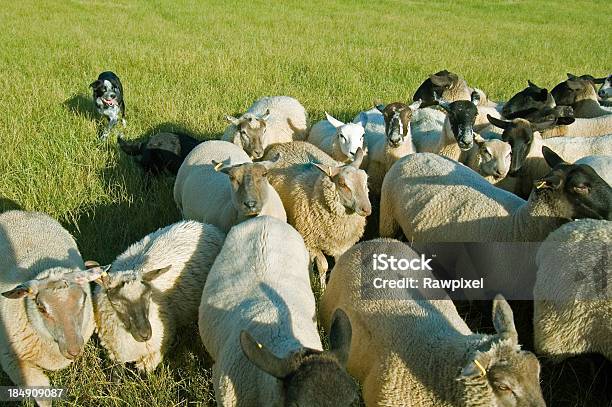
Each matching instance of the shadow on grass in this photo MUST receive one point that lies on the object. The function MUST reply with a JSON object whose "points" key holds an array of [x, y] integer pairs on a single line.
{"points": [[8, 205], [82, 105]]}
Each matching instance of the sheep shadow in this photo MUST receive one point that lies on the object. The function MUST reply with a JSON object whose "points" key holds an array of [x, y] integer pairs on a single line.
{"points": [[7, 204]]}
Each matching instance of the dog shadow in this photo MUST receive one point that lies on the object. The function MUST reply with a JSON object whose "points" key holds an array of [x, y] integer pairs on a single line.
{"points": [[81, 105]]}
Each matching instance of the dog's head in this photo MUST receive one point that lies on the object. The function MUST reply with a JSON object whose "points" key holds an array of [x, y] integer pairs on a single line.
{"points": [[104, 92]]}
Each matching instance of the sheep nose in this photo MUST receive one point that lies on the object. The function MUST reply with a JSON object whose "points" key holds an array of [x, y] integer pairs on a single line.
{"points": [[251, 205]]}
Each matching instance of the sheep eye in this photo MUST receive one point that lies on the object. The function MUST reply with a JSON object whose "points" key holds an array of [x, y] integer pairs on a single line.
{"points": [[41, 309], [502, 387]]}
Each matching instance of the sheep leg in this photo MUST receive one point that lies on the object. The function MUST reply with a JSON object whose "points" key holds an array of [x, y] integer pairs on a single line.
{"points": [[322, 266]]}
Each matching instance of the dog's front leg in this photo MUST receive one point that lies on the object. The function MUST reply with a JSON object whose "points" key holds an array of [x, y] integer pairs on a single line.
{"points": [[109, 127]]}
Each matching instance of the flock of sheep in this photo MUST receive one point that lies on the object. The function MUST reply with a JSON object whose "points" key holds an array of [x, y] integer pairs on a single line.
{"points": [[270, 203]]}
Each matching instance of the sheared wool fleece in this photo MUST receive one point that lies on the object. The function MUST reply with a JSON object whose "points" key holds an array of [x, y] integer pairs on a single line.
{"points": [[33, 245], [406, 351], [572, 311], [259, 283], [190, 247]]}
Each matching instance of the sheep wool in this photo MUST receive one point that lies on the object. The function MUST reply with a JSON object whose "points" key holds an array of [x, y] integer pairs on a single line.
{"points": [[254, 286], [288, 119], [189, 249], [572, 308], [34, 246], [416, 351], [204, 194]]}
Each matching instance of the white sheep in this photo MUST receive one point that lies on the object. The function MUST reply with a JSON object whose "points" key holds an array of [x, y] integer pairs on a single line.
{"points": [[257, 321], [152, 290], [430, 198], [572, 305], [339, 140], [527, 160], [45, 307], [218, 184], [269, 120], [410, 347], [490, 158], [388, 137], [326, 204]]}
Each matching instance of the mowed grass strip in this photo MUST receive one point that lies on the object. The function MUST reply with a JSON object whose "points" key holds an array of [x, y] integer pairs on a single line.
{"points": [[184, 65]]}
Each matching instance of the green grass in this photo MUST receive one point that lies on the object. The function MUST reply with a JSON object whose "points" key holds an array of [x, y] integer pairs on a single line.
{"points": [[185, 66]]}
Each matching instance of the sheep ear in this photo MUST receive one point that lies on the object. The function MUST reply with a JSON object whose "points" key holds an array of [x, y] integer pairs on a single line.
{"points": [[151, 275], [503, 319], [564, 121], [265, 116], [271, 163], [28, 289], [358, 158], [477, 367], [340, 336], [334, 122], [441, 81], [85, 276], [414, 106], [380, 107], [576, 84], [329, 171], [551, 181], [478, 139], [261, 357], [599, 81], [89, 264], [95, 83], [543, 125], [532, 85], [502, 124], [551, 158], [232, 120], [571, 76]]}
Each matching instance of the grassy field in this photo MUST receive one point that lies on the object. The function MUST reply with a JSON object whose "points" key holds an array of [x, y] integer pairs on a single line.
{"points": [[184, 66]]}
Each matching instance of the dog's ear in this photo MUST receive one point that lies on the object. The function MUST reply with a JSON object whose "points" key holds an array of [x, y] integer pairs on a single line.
{"points": [[95, 84]]}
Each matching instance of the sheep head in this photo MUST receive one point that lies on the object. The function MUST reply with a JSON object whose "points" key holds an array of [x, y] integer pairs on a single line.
{"points": [[461, 116], [249, 132], [397, 117], [310, 377], [56, 302], [129, 293], [532, 97], [349, 136], [350, 185], [495, 157], [519, 134], [605, 91], [250, 186], [498, 370], [440, 83], [573, 191]]}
